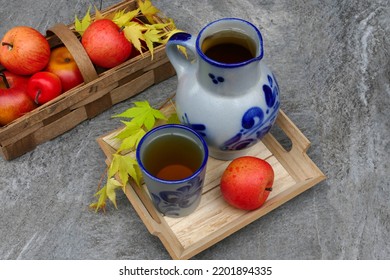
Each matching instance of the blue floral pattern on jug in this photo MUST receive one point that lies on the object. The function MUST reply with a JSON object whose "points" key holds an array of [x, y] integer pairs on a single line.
{"points": [[216, 79], [170, 202], [271, 93], [198, 127], [255, 122]]}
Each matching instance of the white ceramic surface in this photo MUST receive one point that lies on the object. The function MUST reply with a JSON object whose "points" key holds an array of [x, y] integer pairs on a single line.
{"points": [[231, 105]]}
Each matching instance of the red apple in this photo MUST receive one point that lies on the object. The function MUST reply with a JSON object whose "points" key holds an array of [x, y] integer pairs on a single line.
{"points": [[24, 50], [14, 101], [247, 182], [64, 66], [43, 87], [106, 44]]}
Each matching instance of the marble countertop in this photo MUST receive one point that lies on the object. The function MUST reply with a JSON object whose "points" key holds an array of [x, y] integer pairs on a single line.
{"points": [[332, 61]]}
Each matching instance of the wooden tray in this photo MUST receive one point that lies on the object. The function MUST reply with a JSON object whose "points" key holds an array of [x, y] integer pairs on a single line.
{"points": [[214, 219]]}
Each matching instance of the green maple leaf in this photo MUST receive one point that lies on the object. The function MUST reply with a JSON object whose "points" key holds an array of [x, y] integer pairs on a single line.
{"points": [[112, 185], [81, 25], [124, 166], [101, 203], [131, 142], [143, 114], [130, 129]]}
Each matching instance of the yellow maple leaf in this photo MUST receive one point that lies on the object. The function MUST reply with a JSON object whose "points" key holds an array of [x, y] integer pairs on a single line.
{"points": [[148, 10], [98, 14], [169, 22], [109, 15], [134, 33], [169, 34], [152, 36], [159, 26], [122, 18], [112, 185], [101, 203], [81, 25]]}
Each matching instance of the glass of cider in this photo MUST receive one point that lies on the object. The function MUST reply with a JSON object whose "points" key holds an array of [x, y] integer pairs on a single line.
{"points": [[173, 161]]}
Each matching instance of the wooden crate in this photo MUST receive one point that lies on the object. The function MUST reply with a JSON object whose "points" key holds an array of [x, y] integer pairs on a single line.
{"points": [[214, 219], [100, 90]]}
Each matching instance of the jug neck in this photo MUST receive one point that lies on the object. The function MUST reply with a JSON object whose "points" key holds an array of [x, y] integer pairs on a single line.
{"points": [[228, 81], [222, 73], [230, 30]]}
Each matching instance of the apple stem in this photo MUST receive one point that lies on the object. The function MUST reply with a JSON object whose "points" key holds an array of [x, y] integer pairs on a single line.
{"points": [[37, 96], [9, 45], [4, 80], [268, 189]]}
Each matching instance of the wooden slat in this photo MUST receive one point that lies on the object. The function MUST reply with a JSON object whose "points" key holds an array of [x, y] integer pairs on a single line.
{"points": [[96, 96], [60, 126], [19, 147], [132, 88]]}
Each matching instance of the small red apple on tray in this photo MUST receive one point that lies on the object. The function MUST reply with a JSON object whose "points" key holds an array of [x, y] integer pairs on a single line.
{"points": [[24, 51], [64, 66], [43, 87], [247, 182], [106, 44], [14, 101]]}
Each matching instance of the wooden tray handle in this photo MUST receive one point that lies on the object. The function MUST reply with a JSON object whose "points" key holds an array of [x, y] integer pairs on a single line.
{"points": [[299, 141], [70, 40]]}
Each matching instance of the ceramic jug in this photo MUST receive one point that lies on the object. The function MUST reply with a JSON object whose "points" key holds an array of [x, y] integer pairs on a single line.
{"points": [[232, 104]]}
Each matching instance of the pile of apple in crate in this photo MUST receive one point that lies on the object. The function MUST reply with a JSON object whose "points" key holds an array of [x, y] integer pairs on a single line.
{"points": [[34, 73]]}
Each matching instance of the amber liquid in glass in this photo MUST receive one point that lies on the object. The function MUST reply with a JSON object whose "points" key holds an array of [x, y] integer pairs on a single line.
{"points": [[172, 157]]}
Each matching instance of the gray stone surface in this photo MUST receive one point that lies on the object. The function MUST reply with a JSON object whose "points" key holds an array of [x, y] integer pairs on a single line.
{"points": [[332, 61]]}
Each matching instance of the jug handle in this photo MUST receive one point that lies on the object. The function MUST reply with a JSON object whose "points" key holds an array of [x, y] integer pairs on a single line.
{"points": [[176, 56]]}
